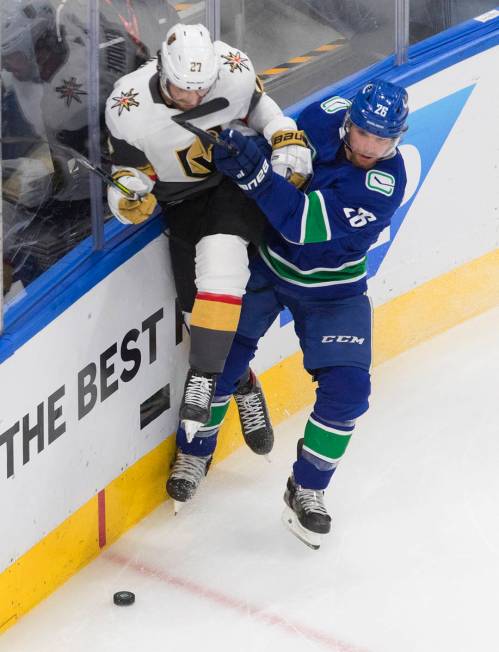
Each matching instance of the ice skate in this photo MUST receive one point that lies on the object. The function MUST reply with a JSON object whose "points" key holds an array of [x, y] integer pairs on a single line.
{"points": [[196, 403], [305, 514], [254, 416], [185, 476]]}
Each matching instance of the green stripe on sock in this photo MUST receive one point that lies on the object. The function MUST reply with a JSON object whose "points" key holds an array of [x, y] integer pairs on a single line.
{"points": [[330, 445], [218, 412]]}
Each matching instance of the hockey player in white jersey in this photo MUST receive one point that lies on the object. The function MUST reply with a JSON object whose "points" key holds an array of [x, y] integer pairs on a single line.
{"points": [[211, 221], [45, 95], [45, 86]]}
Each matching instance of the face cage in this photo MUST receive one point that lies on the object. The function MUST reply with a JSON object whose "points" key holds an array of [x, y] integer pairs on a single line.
{"points": [[345, 132]]}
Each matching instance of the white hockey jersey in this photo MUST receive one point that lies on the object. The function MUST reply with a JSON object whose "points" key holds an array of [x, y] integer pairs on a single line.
{"points": [[143, 135], [55, 110]]}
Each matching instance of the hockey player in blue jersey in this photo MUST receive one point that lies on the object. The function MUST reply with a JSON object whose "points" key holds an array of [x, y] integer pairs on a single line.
{"points": [[313, 261]]}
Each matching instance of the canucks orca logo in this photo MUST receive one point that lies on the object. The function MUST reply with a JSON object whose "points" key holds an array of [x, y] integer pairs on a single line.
{"points": [[429, 128]]}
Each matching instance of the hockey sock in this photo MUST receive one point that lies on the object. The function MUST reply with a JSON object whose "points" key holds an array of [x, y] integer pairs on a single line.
{"points": [[236, 370], [205, 440], [213, 325], [323, 447]]}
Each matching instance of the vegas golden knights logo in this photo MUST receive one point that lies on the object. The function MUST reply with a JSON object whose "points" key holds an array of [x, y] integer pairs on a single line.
{"points": [[197, 159]]}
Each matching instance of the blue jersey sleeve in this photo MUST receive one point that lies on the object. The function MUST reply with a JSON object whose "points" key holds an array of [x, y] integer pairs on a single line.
{"points": [[363, 202]]}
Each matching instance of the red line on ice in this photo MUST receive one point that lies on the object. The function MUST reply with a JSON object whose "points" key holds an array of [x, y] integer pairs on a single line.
{"points": [[236, 604]]}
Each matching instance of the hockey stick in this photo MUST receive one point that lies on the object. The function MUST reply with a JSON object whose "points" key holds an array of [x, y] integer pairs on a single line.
{"points": [[107, 178], [207, 138], [214, 105], [76, 156]]}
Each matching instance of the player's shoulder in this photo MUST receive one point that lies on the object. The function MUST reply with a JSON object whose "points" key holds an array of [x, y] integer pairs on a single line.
{"points": [[324, 114], [322, 121], [138, 78], [131, 99], [236, 69]]}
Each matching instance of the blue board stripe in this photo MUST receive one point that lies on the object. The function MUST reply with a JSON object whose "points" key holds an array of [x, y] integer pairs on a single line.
{"points": [[72, 277]]}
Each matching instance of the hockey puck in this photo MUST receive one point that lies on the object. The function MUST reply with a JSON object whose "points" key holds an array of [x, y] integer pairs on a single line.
{"points": [[124, 598]]}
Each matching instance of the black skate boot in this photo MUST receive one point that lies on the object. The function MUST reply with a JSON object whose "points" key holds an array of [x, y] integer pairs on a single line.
{"points": [[306, 515], [254, 416], [195, 410], [185, 476]]}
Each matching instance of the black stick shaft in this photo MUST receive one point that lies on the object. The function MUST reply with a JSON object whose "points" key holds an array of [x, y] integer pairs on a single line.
{"points": [[129, 194], [208, 138], [214, 105]]}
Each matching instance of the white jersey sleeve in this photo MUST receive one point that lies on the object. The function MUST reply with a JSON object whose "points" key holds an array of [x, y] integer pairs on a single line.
{"points": [[236, 80], [241, 84], [267, 117]]}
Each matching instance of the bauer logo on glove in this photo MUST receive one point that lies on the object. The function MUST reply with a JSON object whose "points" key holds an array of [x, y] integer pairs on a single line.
{"points": [[289, 137], [291, 157], [257, 180]]}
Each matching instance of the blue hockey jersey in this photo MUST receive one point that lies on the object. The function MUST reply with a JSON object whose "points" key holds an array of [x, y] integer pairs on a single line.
{"points": [[318, 240]]}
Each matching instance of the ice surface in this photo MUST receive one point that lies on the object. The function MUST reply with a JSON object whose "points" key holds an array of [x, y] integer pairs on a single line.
{"points": [[411, 564]]}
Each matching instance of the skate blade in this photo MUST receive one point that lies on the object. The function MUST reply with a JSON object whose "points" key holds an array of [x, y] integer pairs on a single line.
{"points": [[191, 427], [177, 506], [311, 539]]}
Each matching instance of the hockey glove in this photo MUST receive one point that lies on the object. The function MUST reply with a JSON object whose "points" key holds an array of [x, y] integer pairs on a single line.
{"points": [[291, 156], [132, 211], [248, 168]]}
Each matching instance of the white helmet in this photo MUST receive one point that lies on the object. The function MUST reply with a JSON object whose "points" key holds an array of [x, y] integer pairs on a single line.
{"points": [[22, 23], [187, 58]]}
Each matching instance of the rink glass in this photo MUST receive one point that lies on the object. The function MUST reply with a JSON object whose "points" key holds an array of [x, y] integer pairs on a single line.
{"points": [[59, 61]]}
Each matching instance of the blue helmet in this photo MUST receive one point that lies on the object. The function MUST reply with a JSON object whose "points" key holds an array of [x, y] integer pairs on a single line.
{"points": [[380, 108]]}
